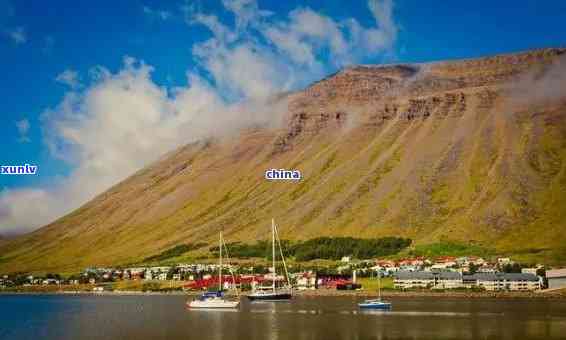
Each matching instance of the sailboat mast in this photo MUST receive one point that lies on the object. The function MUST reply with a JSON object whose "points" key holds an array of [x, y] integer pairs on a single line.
{"points": [[273, 252], [220, 264], [379, 283]]}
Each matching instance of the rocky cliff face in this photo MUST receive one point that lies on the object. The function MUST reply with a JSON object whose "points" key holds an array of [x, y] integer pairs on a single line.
{"points": [[438, 151]]}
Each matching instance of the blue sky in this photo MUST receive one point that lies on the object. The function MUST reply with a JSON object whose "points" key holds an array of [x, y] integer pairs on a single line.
{"points": [[41, 42]]}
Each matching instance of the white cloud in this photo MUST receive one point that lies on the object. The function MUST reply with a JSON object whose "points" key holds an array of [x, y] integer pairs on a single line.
{"points": [[18, 35], [70, 78], [245, 12], [222, 33], [118, 122], [261, 55], [161, 14], [306, 33], [15, 213], [23, 129], [543, 86]]}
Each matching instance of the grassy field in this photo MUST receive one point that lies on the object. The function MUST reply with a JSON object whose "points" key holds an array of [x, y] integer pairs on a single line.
{"points": [[371, 284]]}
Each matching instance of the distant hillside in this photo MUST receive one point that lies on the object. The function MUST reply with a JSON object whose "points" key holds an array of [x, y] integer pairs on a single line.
{"points": [[469, 151]]}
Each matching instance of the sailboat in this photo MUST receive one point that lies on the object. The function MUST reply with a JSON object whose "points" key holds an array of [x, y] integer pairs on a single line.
{"points": [[216, 300], [376, 303], [274, 293]]}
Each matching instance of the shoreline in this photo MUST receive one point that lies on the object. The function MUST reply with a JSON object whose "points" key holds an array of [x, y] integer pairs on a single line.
{"points": [[324, 293], [434, 294]]}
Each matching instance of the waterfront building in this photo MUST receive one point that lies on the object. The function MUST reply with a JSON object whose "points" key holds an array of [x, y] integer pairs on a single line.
{"points": [[407, 280], [503, 281], [556, 278], [452, 280], [447, 280]]}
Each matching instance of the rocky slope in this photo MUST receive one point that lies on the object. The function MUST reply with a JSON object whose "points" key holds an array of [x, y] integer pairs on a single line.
{"points": [[441, 151]]}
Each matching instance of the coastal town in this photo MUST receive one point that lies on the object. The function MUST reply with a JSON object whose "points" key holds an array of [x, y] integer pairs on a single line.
{"points": [[445, 273]]}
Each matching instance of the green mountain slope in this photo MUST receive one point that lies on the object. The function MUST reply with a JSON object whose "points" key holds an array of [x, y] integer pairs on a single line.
{"points": [[433, 152]]}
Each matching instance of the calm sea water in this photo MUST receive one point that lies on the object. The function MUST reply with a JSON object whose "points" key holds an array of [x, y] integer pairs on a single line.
{"points": [[165, 317]]}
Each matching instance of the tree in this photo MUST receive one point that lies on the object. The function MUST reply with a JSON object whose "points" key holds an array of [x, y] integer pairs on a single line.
{"points": [[473, 268], [511, 268]]}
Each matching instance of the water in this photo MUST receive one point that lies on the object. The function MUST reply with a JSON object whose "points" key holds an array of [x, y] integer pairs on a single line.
{"points": [[165, 317]]}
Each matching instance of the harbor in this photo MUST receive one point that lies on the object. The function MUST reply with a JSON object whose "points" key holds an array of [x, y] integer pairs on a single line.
{"points": [[164, 316]]}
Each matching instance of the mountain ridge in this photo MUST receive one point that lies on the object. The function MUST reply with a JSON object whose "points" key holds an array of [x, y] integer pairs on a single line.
{"points": [[435, 151]]}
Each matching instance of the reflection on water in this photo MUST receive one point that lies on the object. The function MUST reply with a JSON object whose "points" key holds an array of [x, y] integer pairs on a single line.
{"points": [[165, 317]]}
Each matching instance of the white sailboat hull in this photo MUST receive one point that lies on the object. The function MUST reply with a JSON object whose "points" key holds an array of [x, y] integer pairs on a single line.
{"points": [[213, 304]]}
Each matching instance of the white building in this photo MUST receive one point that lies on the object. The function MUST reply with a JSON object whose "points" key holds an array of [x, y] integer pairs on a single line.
{"points": [[50, 282], [451, 280], [503, 281], [503, 261], [407, 280], [556, 278], [448, 280]]}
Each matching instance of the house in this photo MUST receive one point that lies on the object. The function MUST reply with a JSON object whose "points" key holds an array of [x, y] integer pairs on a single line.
{"points": [[503, 281], [444, 262], [385, 263], [135, 273], [162, 276], [556, 278], [50, 282], [420, 279], [409, 268], [487, 269], [306, 280]]}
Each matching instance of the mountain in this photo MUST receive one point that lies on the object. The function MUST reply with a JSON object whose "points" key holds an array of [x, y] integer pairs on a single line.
{"points": [[472, 151]]}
